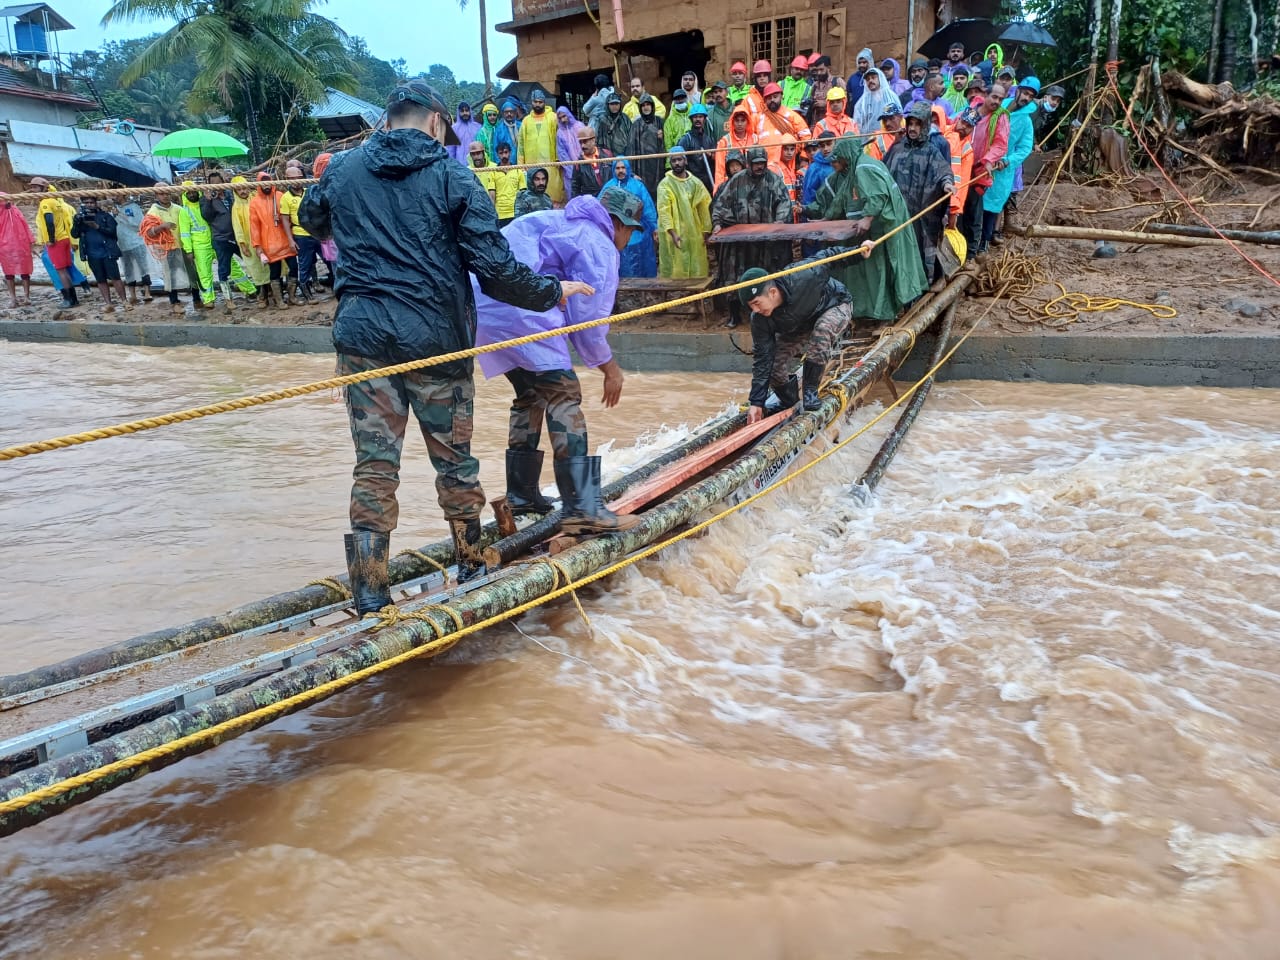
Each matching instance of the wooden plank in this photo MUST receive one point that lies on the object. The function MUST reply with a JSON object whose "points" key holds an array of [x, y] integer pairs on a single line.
{"points": [[829, 230], [662, 284], [694, 464]]}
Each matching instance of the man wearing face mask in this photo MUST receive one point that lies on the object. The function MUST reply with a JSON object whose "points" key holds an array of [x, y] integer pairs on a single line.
{"points": [[678, 120], [538, 141], [411, 225], [1048, 105], [917, 74]]}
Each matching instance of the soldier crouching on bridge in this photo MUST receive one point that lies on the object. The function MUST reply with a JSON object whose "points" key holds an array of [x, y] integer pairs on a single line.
{"points": [[582, 240], [802, 313], [409, 224]]}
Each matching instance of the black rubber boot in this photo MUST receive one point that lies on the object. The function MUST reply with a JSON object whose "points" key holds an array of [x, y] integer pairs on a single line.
{"points": [[584, 511], [524, 468], [788, 394], [300, 293], [466, 547], [812, 381], [367, 567]]}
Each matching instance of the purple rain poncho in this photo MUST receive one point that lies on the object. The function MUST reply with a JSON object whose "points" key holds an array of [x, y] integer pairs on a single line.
{"points": [[575, 243]]}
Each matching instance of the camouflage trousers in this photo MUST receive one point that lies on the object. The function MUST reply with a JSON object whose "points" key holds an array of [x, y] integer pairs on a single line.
{"points": [[553, 395], [820, 345], [379, 412]]}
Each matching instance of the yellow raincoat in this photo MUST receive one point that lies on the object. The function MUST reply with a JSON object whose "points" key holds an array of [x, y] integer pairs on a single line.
{"points": [[684, 205], [253, 264], [538, 145]]}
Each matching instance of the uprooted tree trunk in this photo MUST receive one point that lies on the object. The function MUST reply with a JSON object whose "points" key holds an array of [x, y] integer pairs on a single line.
{"points": [[1192, 92]]}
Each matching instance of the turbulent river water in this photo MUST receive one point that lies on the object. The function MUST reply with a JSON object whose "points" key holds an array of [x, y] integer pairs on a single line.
{"points": [[1023, 704]]}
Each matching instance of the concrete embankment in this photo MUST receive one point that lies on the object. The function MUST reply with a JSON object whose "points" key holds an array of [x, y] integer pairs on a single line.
{"points": [[1206, 360]]}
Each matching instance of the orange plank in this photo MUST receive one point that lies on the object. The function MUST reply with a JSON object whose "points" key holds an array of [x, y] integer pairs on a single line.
{"points": [[677, 473]]}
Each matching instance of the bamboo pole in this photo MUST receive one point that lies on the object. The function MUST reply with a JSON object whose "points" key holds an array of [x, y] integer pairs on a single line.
{"points": [[305, 599], [537, 579], [889, 449], [1045, 232], [1270, 238]]}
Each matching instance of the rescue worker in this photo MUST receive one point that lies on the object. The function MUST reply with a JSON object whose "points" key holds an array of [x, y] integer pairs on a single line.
{"points": [[581, 241], [718, 108], [197, 241], [739, 137], [796, 86], [411, 224], [756, 195], [837, 119], [738, 87], [684, 220], [802, 313]]}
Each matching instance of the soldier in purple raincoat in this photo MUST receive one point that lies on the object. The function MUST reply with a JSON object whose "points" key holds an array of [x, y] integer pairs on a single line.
{"points": [[581, 241]]}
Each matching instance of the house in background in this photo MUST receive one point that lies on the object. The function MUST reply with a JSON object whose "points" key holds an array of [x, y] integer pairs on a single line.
{"points": [[341, 115], [563, 44], [42, 107]]}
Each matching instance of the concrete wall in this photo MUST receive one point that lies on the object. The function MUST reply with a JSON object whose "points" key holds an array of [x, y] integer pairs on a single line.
{"points": [[564, 45], [42, 146], [1204, 360]]}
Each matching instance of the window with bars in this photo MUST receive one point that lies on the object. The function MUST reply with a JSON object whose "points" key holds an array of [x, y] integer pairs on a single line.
{"points": [[774, 40]]}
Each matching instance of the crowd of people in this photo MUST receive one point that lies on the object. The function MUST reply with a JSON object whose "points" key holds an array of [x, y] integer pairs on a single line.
{"points": [[217, 241], [756, 148]]}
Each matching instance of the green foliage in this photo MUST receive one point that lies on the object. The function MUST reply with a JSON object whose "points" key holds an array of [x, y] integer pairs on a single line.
{"points": [[453, 91]]}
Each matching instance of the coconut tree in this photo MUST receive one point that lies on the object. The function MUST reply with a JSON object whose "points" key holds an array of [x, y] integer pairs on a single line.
{"points": [[484, 45], [238, 46]]}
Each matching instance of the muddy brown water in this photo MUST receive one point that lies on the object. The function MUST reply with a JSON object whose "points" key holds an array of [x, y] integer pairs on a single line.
{"points": [[1024, 704]]}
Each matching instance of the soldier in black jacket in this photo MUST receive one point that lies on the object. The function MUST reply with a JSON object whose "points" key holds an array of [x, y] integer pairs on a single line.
{"points": [[802, 313], [412, 225]]}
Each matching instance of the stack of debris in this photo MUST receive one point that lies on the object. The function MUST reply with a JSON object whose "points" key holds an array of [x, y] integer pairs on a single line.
{"points": [[1232, 127]]}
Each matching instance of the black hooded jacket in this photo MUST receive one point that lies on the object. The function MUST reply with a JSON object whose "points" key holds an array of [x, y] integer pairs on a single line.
{"points": [[409, 224], [806, 296]]}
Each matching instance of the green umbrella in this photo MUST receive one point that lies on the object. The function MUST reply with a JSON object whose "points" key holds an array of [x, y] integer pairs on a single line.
{"points": [[205, 144]]}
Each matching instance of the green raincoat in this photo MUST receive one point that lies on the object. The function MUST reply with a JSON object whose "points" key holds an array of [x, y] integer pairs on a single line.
{"points": [[893, 276], [684, 205]]}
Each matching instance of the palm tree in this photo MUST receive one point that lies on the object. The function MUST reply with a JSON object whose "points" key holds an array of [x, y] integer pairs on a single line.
{"points": [[239, 44], [159, 97], [484, 45]]}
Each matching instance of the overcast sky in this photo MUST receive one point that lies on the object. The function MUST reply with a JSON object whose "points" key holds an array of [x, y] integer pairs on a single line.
{"points": [[444, 35]]}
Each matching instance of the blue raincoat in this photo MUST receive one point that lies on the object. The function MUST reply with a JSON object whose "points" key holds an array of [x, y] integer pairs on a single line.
{"points": [[639, 258], [1022, 140], [504, 134], [575, 243]]}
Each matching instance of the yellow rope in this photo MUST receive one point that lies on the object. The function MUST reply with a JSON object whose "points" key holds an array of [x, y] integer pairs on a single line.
{"points": [[433, 647], [333, 585], [418, 554], [561, 572], [244, 403]]}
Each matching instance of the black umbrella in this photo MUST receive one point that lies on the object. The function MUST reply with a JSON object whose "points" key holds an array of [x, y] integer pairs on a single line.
{"points": [[115, 167], [975, 33], [1025, 34]]}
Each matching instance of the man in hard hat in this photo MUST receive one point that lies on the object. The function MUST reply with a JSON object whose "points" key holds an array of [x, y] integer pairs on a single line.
{"points": [[796, 86]]}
